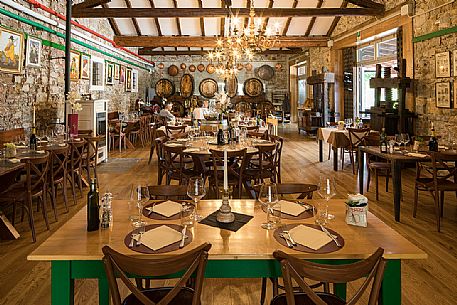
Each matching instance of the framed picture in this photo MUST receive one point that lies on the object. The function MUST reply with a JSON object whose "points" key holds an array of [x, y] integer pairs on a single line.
{"points": [[33, 52], [85, 66], [128, 80], [454, 56], [442, 65], [134, 80], [121, 74], [11, 50], [109, 73], [97, 74], [443, 95], [116, 71], [74, 65]]}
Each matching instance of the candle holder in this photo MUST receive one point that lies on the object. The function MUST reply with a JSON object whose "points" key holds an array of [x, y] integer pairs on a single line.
{"points": [[225, 214]]}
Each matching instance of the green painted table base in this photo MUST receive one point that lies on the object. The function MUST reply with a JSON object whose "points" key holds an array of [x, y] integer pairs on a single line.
{"points": [[63, 274]]}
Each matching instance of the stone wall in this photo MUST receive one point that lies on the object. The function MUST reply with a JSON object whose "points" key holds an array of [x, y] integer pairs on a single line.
{"points": [[280, 81], [44, 86]]}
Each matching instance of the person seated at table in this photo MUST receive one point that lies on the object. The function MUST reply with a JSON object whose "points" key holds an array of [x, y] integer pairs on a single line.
{"points": [[199, 113], [166, 112]]}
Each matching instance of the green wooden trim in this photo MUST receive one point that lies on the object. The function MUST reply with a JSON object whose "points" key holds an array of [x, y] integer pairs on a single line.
{"points": [[62, 285], [431, 35], [391, 286]]}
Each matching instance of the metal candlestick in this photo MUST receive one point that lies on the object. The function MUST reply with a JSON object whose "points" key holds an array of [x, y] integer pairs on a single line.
{"points": [[225, 214]]}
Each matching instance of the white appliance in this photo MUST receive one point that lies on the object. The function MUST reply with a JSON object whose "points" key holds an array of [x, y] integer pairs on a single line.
{"points": [[94, 116]]}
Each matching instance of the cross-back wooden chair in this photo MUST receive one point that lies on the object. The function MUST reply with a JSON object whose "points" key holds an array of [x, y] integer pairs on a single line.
{"points": [[75, 168], [176, 192], [58, 160], [90, 159], [263, 167], [172, 131], [294, 269], [161, 169], [191, 262], [356, 139], [443, 179], [280, 141], [175, 164], [236, 165]]}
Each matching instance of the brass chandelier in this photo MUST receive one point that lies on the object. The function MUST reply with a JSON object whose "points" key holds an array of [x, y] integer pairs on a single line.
{"points": [[242, 43]]}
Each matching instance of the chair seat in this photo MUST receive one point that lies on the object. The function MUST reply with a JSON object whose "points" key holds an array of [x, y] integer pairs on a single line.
{"points": [[184, 297], [443, 185], [302, 298]]}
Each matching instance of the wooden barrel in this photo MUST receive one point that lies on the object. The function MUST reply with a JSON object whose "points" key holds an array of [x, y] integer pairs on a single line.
{"points": [[253, 87], [231, 86], [187, 85], [208, 87], [164, 88]]}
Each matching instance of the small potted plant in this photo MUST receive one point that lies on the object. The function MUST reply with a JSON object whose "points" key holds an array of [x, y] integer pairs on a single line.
{"points": [[72, 98], [10, 150]]}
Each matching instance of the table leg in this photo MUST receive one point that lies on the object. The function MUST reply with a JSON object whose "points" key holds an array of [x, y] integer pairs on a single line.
{"points": [[390, 293], [396, 181], [103, 291], [335, 158], [340, 290], [62, 285], [321, 153], [361, 170]]}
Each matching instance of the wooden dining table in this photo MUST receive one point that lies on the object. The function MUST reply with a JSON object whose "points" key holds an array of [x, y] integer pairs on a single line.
{"points": [[75, 253]]}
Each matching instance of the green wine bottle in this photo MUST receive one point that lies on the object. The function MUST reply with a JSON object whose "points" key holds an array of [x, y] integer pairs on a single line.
{"points": [[93, 217]]}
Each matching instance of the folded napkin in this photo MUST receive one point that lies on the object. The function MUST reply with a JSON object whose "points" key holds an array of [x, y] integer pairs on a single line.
{"points": [[62, 144], [160, 237], [417, 155], [309, 237], [291, 208], [14, 160], [357, 198], [167, 208], [173, 144]]}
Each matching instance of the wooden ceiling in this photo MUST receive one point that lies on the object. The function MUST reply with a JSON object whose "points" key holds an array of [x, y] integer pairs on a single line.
{"points": [[162, 27]]}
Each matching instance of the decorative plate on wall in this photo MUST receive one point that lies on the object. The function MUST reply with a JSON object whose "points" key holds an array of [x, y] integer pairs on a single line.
{"points": [[187, 85], [240, 67], [164, 88], [231, 86], [183, 66], [201, 67], [208, 87], [210, 68], [192, 68], [278, 67], [253, 87], [161, 65], [173, 70], [248, 67], [265, 72]]}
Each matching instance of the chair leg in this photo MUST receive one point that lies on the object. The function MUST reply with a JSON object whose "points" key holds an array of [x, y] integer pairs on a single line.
{"points": [[437, 211], [351, 156], [342, 158], [329, 151], [416, 194], [53, 200], [65, 194], [368, 180], [442, 203], [31, 221], [377, 181], [387, 181], [151, 153], [263, 290], [44, 210]]}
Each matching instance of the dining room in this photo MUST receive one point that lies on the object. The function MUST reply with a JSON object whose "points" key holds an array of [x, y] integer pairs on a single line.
{"points": [[228, 152]]}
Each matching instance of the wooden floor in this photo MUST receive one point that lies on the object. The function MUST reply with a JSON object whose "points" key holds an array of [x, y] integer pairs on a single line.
{"points": [[431, 281]]}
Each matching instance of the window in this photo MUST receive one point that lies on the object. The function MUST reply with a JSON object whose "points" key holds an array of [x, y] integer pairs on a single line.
{"points": [[366, 53], [387, 48], [301, 84], [97, 74]]}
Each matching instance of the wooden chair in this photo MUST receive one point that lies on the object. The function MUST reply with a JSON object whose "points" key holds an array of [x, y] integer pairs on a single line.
{"points": [[117, 135], [236, 166], [379, 167], [90, 159], [280, 141], [171, 131], [58, 160], [161, 168], [443, 179], [272, 126], [176, 192], [356, 139], [263, 167], [297, 270], [175, 164], [252, 128], [191, 262], [75, 168]]}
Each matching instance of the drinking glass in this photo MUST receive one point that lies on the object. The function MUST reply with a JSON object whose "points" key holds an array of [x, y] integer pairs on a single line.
{"points": [[141, 195], [405, 138], [327, 189], [398, 139], [268, 196], [196, 191]]}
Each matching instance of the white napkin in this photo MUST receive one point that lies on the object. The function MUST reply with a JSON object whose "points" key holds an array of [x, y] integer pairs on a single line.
{"points": [[15, 160], [357, 198], [309, 237], [174, 145], [167, 208], [40, 151], [160, 237], [291, 208], [62, 144], [416, 155]]}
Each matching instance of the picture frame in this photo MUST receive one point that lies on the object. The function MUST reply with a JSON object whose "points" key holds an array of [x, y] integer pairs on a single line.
{"points": [[116, 71], [128, 80], [109, 73], [11, 50], [454, 57], [97, 74], [33, 52], [135, 80], [75, 63], [443, 95], [121, 74], [85, 66], [442, 65]]}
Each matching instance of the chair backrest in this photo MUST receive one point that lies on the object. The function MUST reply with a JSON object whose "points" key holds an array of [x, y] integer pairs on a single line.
{"points": [[280, 141], [302, 189], [37, 169], [173, 130], [442, 167], [372, 139], [58, 163], [191, 262], [258, 135], [357, 136], [158, 192], [174, 160], [372, 269], [77, 153], [267, 161], [158, 142], [235, 167], [253, 128], [92, 147]]}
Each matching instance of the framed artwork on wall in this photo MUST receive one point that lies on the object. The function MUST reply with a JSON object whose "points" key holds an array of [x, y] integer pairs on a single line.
{"points": [[97, 74], [454, 57], [128, 80], [442, 65], [134, 80], [121, 74], [109, 73], [11, 50], [443, 95], [74, 65], [85, 66], [33, 52], [116, 71]]}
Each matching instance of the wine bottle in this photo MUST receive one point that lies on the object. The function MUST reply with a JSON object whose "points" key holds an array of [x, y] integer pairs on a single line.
{"points": [[33, 140], [93, 217], [383, 142], [433, 143], [220, 136]]}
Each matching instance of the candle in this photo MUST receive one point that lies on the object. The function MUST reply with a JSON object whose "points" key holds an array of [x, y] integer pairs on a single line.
{"points": [[33, 117], [225, 171], [328, 186]]}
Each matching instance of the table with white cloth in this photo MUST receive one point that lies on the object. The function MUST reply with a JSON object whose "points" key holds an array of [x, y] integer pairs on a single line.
{"points": [[335, 137]]}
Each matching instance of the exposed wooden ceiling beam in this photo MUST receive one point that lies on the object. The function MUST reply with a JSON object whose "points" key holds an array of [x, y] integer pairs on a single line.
{"points": [[368, 4], [220, 12], [89, 4], [265, 23], [337, 19], [112, 23], [210, 42], [202, 22], [134, 21], [313, 20], [178, 24], [289, 20], [149, 51], [156, 21]]}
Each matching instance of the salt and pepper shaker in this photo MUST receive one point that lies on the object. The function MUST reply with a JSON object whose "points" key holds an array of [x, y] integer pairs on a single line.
{"points": [[107, 212]]}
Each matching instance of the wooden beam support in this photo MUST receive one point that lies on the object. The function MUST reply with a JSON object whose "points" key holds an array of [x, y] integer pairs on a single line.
{"points": [[202, 22], [89, 4], [289, 20], [221, 12], [210, 42], [151, 52], [313, 20], [134, 21], [368, 4], [113, 23], [336, 20]]}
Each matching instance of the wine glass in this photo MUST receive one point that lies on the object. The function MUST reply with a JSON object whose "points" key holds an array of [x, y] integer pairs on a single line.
{"points": [[196, 190], [405, 138], [327, 189], [398, 139], [268, 196], [142, 197]]}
